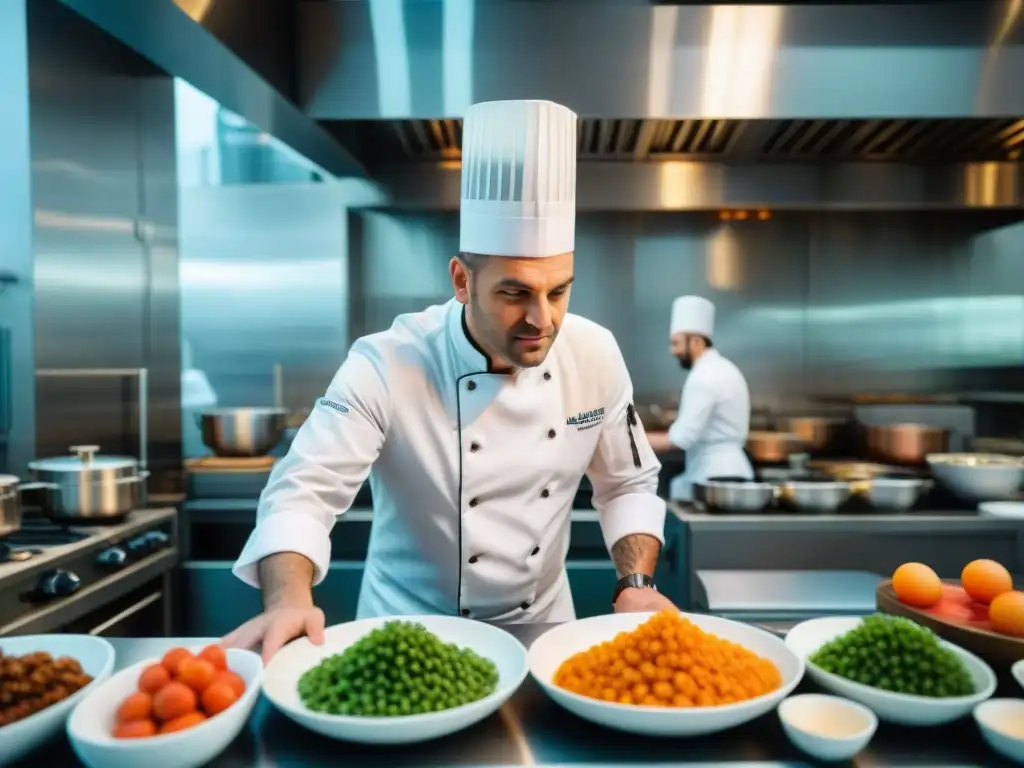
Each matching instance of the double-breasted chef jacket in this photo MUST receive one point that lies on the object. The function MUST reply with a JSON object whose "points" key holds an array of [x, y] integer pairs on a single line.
{"points": [[473, 473], [712, 425]]}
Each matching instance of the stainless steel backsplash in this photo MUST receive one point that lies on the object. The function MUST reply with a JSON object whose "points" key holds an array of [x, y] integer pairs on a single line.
{"points": [[104, 276], [808, 303]]}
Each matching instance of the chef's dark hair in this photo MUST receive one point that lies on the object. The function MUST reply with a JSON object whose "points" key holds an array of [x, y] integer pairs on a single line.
{"points": [[472, 261], [707, 342]]}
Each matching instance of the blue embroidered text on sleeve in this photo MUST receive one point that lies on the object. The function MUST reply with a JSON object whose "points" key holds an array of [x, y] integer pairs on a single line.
{"points": [[586, 420], [323, 402]]}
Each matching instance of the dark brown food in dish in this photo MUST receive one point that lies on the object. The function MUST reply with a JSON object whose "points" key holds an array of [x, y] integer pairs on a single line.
{"points": [[31, 683]]}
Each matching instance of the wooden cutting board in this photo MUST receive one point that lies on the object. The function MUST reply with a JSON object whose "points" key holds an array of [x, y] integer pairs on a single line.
{"points": [[958, 620], [226, 464]]}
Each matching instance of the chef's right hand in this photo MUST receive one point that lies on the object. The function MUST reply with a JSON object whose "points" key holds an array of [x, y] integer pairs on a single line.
{"points": [[277, 626]]}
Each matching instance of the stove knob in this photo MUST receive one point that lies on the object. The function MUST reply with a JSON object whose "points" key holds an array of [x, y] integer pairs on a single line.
{"points": [[139, 546], [113, 558], [158, 540], [58, 584]]}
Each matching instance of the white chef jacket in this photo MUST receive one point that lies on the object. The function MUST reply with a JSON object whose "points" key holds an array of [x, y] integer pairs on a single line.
{"points": [[712, 425], [473, 473]]}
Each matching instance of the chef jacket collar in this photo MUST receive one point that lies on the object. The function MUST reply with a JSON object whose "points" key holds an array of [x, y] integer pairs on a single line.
{"points": [[708, 354], [470, 357]]}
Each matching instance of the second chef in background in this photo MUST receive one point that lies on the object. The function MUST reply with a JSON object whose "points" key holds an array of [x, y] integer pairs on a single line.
{"points": [[475, 421], [714, 408]]}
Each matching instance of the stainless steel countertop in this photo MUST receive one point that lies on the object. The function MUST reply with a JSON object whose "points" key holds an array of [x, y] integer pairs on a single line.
{"points": [[926, 521], [532, 730]]}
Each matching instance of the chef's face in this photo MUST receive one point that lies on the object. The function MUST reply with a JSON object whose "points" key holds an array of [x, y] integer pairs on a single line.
{"points": [[682, 347], [514, 307]]}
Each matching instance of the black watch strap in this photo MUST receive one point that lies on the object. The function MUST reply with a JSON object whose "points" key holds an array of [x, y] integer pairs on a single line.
{"points": [[633, 581]]}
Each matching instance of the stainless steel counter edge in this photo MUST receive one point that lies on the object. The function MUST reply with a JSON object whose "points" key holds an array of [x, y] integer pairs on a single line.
{"points": [[894, 522]]}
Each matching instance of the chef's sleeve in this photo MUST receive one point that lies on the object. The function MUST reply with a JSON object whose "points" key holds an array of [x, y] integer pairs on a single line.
{"points": [[624, 470], [327, 464], [698, 403]]}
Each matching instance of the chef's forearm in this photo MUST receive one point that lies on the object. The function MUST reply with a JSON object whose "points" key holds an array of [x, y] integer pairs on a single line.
{"points": [[286, 579], [636, 553], [660, 442]]}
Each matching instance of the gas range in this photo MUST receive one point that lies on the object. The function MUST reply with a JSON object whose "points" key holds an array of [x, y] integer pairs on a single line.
{"points": [[88, 579]]}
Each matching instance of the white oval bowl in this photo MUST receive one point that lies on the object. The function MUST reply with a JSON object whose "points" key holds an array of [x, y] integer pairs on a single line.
{"points": [[91, 725], [559, 643], [795, 711], [281, 681], [990, 714], [1017, 670], [95, 655], [902, 708]]}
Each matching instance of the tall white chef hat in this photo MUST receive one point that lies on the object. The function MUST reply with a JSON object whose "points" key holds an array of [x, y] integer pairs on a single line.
{"points": [[693, 314], [518, 179]]}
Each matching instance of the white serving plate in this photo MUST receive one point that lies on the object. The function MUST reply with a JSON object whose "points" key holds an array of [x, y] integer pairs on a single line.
{"points": [[905, 709], [556, 645], [280, 683], [91, 725], [95, 655]]}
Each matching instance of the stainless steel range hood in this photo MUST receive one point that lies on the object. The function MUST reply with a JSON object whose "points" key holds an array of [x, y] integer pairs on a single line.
{"points": [[884, 106], [408, 59], [852, 140]]}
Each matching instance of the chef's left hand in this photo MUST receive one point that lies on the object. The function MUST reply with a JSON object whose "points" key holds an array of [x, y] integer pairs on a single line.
{"points": [[632, 600]]}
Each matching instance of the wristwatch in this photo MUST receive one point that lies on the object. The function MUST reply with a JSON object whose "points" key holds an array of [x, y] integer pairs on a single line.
{"points": [[633, 581]]}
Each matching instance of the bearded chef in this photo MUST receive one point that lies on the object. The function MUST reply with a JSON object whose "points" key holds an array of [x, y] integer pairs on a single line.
{"points": [[475, 421], [714, 409]]}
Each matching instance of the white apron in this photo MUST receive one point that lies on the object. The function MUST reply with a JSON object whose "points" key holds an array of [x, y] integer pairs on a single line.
{"points": [[473, 473]]}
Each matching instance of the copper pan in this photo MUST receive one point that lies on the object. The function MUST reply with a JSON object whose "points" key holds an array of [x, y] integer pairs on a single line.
{"points": [[905, 443], [816, 433], [766, 447]]}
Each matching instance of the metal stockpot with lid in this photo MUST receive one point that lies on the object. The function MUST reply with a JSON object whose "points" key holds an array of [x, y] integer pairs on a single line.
{"points": [[10, 505], [86, 487]]}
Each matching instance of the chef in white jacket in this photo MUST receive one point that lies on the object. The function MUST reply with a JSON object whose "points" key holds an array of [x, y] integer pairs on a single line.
{"points": [[475, 421], [714, 409]]}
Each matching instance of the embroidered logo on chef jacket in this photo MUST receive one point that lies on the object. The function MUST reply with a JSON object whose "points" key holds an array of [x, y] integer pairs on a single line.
{"points": [[323, 402], [586, 419]]}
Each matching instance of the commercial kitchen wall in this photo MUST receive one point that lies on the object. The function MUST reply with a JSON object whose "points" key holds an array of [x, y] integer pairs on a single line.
{"points": [[264, 282], [808, 304], [104, 194]]}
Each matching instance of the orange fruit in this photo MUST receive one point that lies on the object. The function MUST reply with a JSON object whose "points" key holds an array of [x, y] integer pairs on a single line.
{"points": [[232, 679], [135, 729], [1006, 614], [215, 655], [174, 657], [218, 697], [183, 722], [985, 580], [196, 673], [918, 585], [138, 706], [153, 678], [174, 700]]}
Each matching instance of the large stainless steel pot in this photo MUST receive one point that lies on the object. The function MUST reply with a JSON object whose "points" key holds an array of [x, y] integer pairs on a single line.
{"points": [[734, 495], [235, 432], [86, 487], [817, 434], [812, 496], [10, 506]]}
